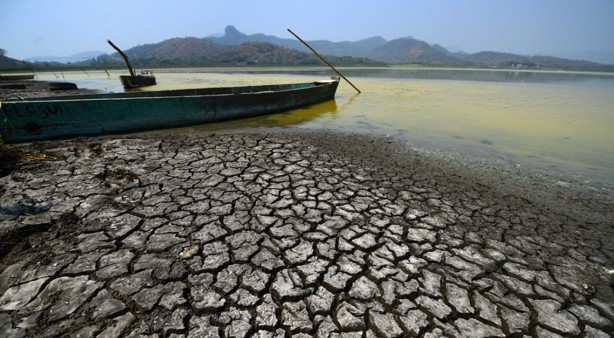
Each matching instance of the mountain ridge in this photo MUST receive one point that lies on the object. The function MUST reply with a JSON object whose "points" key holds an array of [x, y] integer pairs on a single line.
{"points": [[411, 50], [237, 48], [193, 51], [233, 36]]}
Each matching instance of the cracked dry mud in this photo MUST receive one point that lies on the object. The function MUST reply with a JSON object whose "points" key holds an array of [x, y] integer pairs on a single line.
{"points": [[302, 234]]}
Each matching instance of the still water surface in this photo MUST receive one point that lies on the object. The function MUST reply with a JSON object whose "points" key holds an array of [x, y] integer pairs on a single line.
{"points": [[559, 121]]}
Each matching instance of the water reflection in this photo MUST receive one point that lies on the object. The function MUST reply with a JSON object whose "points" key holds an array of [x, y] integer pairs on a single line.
{"points": [[295, 117]]}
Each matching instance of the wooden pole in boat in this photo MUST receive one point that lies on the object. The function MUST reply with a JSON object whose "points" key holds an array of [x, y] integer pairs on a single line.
{"points": [[132, 73], [323, 60]]}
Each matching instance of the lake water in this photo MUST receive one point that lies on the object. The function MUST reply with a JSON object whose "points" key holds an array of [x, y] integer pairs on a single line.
{"points": [[562, 122]]}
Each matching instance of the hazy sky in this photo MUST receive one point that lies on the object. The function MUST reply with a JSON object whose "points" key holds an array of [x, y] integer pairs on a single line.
{"points": [[65, 27]]}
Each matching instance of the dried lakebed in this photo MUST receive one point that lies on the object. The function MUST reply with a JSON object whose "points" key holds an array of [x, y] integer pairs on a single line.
{"points": [[292, 234]]}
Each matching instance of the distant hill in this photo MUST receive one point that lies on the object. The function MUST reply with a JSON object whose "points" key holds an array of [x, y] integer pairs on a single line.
{"points": [[203, 52], [9, 63], [497, 59], [232, 37], [599, 56], [65, 59], [410, 50], [236, 48], [173, 51]]}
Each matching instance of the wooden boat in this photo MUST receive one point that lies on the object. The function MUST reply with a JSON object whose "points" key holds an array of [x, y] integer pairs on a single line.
{"points": [[137, 81], [41, 118], [146, 78]]}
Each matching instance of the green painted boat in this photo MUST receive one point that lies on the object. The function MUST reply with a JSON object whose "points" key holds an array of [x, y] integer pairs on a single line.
{"points": [[42, 118]]}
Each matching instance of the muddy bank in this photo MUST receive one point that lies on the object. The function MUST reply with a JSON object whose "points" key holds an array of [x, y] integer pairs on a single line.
{"points": [[293, 233]]}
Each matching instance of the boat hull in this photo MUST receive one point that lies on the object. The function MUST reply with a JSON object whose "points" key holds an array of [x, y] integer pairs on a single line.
{"points": [[34, 119], [137, 81]]}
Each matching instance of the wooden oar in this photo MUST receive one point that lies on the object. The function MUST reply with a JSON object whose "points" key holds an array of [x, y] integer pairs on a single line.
{"points": [[132, 73], [323, 60]]}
